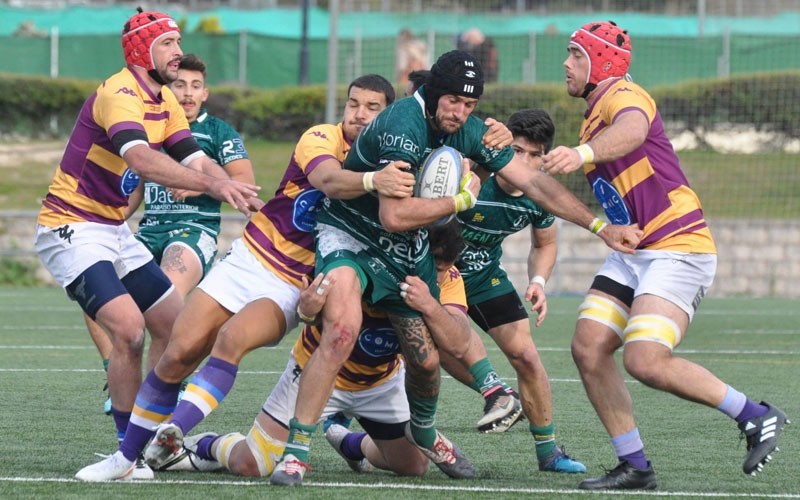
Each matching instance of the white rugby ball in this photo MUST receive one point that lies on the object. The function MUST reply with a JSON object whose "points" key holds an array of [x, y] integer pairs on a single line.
{"points": [[440, 175]]}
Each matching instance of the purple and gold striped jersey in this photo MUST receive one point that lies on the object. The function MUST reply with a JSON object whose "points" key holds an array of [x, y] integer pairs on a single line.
{"points": [[647, 186], [376, 355], [92, 182], [281, 234]]}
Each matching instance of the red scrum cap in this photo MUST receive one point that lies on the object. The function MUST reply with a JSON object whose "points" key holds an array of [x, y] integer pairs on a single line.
{"points": [[141, 32], [608, 48]]}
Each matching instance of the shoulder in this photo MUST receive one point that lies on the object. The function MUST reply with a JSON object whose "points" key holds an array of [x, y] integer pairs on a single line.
{"points": [[121, 84], [218, 124], [325, 132], [407, 112], [628, 92], [470, 135]]}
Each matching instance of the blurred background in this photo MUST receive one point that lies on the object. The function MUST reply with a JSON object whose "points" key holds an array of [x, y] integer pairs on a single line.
{"points": [[725, 74], [272, 43]]}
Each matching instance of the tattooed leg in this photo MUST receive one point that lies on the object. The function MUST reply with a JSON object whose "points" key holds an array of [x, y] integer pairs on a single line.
{"points": [[422, 376]]}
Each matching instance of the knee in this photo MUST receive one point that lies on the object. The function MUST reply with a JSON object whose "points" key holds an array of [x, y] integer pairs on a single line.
{"points": [[580, 352], [130, 338], [228, 346], [587, 355], [337, 341], [243, 464], [182, 356], [427, 366], [413, 468], [526, 359], [646, 369]]}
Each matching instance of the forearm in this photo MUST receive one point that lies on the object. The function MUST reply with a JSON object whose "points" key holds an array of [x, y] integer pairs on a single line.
{"points": [[134, 200], [241, 170], [558, 200], [343, 185], [542, 261], [406, 214], [160, 168], [628, 132]]}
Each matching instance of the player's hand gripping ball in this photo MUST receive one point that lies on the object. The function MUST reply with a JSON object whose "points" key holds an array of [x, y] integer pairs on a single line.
{"points": [[440, 176]]}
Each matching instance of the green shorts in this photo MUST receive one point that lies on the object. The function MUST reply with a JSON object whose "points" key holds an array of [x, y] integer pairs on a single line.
{"points": [[380, 280], [158, 238], [486, 284]]}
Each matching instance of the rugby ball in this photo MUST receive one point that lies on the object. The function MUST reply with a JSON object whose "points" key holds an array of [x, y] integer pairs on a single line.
{"points": [[440, 175]]}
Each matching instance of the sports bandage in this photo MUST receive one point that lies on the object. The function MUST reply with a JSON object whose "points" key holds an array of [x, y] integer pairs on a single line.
{"points": [[464, 200], [653, 328], [223, 447], [306, 319], [586, 152], [597, 225], [605, 311], [538, 279], [266, 450], [367, 181]]}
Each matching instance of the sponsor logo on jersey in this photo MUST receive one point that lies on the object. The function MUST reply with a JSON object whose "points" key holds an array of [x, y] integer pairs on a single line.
{"points": [[126, 90], [399, 142], [378, 342], [305, 208], [129, 182], [611, 201]]}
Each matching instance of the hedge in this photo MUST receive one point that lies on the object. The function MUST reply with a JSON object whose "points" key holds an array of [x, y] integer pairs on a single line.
{"points": [[39, 107]]}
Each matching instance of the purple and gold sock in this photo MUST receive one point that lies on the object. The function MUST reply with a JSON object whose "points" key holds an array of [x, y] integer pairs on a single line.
{"points": [[204, 393], [155, 401]]}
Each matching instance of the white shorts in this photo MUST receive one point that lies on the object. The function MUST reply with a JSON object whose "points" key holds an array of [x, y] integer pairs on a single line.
{"points": [[240, 278], [331, 238], [69, 250], [681, 278], [385, 403]]}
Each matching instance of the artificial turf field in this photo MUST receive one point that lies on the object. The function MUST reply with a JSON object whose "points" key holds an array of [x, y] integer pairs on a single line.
{"points": [[52, 424]]}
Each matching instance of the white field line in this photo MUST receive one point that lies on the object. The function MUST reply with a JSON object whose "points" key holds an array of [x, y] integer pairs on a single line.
{"points": [[753, 352], [423, 487]]}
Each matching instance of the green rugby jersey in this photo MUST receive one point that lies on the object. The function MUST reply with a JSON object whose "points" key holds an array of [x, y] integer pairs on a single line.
{"points": [[401, 132], [496, 216], [223, 145]]}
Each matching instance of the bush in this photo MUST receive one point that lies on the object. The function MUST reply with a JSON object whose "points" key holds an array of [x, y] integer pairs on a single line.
{"points": [[18, 272], [41, 107], [770, 101]]}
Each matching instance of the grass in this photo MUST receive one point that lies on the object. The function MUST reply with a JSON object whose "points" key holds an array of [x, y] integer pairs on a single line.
{"points": [[51, 419], [729, 185]]}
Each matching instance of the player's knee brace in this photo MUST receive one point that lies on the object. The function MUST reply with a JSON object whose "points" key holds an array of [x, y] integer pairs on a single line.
{"points": [[652, 328], [148, 285], [604, 311], [266, 450]]}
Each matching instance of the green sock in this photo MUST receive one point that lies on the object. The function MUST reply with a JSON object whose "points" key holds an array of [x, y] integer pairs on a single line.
{"points": [[545, 439], [423, 417], [105, 365], [484, 378], [299, 442]]}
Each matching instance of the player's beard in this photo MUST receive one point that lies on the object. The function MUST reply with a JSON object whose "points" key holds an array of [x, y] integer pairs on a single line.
{"points": [[448, 127], [168, 76]]}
